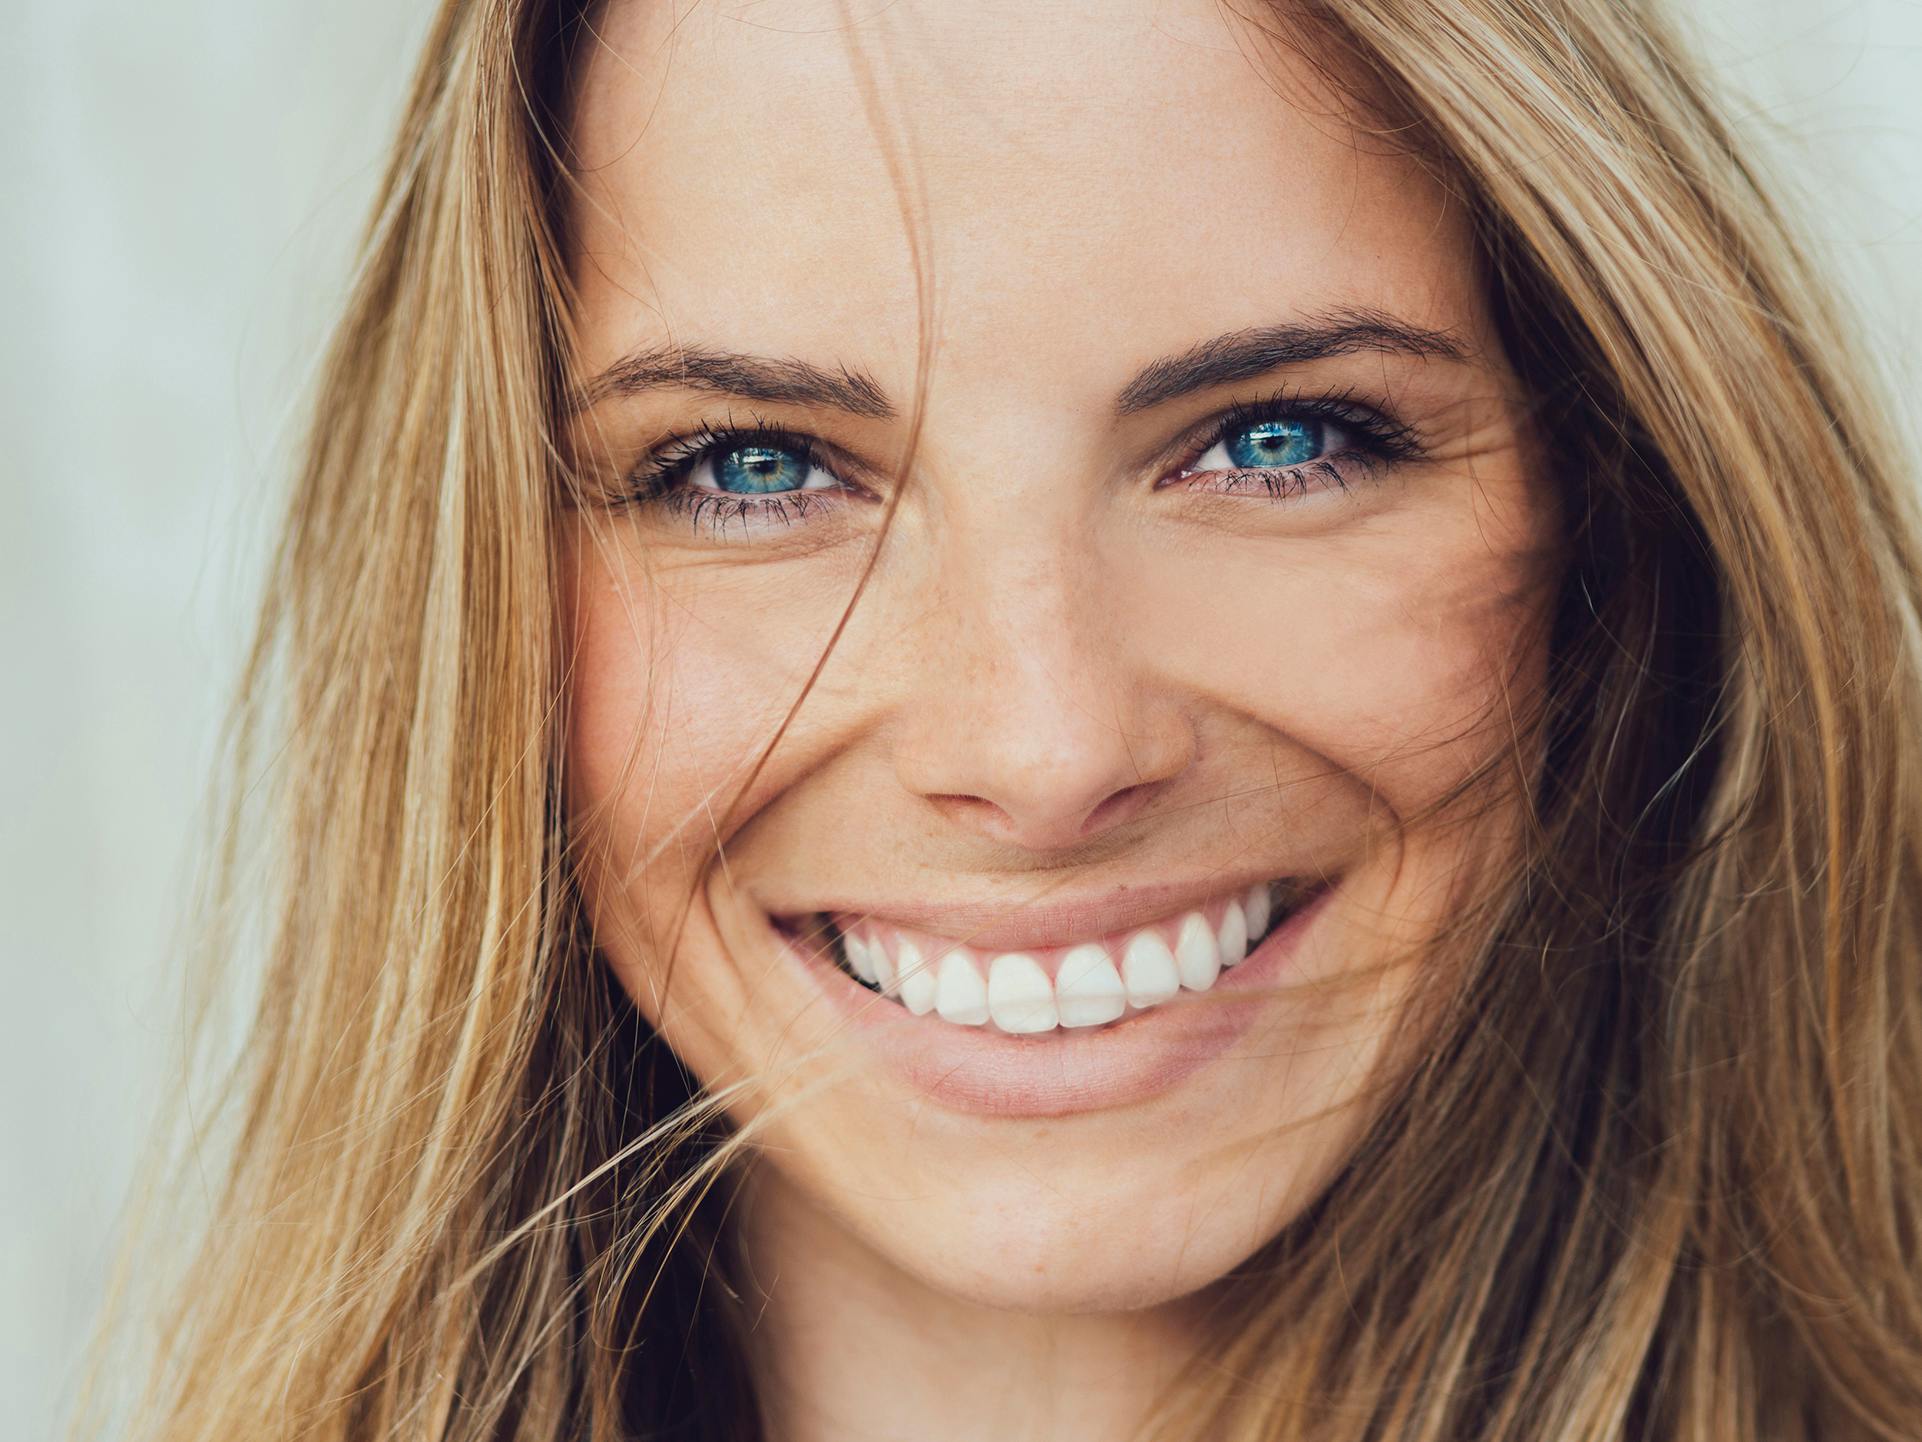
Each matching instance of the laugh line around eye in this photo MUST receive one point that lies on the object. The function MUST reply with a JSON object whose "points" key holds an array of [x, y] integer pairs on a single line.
{"points": [[1349, 441]]}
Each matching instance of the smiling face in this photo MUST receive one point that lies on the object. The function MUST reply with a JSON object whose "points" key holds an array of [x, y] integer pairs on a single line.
{"points": [[1064, 921]]}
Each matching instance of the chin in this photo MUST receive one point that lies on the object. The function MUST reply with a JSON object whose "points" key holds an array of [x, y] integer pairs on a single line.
{"points": [[1081, 1254]]}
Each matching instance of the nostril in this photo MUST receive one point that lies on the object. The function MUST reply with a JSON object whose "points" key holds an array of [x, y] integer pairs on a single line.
{"points": [[1124, 805], [977, 810], [1031, 826]]}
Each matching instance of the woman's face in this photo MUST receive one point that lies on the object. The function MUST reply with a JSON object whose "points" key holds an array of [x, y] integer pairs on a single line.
{"points": [[1220, 557]]}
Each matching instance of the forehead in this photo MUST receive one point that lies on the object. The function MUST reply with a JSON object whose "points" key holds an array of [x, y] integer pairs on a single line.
{"points": [[1070, 182]]}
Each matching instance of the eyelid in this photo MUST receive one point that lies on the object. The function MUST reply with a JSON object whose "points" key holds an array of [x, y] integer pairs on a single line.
{"points": [[666, 463], [1380, 434], [659, 481]]}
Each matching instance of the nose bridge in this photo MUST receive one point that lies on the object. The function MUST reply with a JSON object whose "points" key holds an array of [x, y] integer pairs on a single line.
{"points": [[1034, 721]]}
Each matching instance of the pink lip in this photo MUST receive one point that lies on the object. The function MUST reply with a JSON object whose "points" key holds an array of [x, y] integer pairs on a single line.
{"points": [[1005, 926], [979, 1070]]}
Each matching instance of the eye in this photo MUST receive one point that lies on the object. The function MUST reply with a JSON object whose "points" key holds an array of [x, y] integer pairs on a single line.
{"points": [[757, 468], [1269, 444], [738, 481], [1289, 446]]}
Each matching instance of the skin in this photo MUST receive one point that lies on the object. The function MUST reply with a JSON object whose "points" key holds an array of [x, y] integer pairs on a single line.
{"points": [[1063, 675]]}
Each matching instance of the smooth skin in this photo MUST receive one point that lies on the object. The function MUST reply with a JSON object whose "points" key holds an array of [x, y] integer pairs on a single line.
{"points": [[1071, 669]]}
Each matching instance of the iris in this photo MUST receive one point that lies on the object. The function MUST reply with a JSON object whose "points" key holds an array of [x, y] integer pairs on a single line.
{"points": [[759, 470], [1283, 442]]}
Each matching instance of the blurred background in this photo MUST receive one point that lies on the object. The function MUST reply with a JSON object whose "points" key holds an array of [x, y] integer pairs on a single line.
{"points": [[183, 186]]}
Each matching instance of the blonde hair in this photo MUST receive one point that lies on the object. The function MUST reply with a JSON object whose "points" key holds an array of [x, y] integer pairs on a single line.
{"points": [[1660, 1177]]}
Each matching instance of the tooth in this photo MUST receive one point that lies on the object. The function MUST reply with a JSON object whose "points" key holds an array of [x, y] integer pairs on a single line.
{"points": [[859, 962], [1234, 934], [1150, 969], [883, 963], [961, 996], [917, 980], [1087, 988], [1260, 908], [1197, 957], [1020, 997]]}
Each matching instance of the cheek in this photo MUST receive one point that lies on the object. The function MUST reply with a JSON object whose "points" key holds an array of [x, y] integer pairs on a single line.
{"points": [[660, 715], [1402, 656], [674, 690], [677, 686]]}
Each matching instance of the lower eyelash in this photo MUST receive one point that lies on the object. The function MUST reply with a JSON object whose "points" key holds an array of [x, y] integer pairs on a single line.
{"points": [[1294, 481], [712, 511]]}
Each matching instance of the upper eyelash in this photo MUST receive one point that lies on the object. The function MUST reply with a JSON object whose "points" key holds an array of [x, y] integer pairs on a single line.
{"points": [[1382, 436], [669, 460], [655, 480]]}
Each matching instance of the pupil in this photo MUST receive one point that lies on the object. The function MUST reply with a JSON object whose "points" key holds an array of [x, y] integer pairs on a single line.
{"points": [[758, 470], [1275, 443]]}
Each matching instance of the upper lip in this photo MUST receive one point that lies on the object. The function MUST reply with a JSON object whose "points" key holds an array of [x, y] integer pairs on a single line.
{"points": [[1007, 925]]}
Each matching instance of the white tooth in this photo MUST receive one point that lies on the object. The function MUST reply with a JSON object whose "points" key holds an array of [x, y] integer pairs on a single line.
{"points": [[961, 996], [883, 964], [1087, 988], [1260, 908], [1149, 968], [917, 979], [1234, 934], [1197, 957], [1020, 996], [859, 961]]}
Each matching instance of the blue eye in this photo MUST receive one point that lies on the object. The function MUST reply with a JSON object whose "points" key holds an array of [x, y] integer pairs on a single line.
{"points": [[761, 469], [1294, 446], [737, 477], [1271, 443]]}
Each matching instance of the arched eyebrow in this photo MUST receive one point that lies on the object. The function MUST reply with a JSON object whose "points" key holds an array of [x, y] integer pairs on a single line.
{"points": [[1237, 355], [1243, 354], [777, 380]]}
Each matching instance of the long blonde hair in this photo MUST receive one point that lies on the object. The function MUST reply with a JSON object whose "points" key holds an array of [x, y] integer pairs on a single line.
{"points": [[1661, 1177]]}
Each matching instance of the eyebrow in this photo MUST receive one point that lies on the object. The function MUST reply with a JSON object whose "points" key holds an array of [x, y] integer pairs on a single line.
{"points": [[1237, 355], [778, 380], [1243, 354]]}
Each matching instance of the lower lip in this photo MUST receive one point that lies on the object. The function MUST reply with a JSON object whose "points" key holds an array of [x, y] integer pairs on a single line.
{"points": [[1068, 1070]]}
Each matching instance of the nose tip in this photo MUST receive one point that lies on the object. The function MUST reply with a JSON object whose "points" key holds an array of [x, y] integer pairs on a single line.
{"points": [[1042, 776], [1037, 824]]}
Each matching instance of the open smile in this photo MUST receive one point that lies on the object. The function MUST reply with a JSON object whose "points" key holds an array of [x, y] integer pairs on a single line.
{"points": [[1054, 1009], [1092, 981]]}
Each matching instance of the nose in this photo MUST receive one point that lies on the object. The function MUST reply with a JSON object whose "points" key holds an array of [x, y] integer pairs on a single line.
{"points": [[1034, 722]]}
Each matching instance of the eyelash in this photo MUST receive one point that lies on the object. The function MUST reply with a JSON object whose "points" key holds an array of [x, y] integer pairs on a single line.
{"points": [[656, 481], [1375, 439]]}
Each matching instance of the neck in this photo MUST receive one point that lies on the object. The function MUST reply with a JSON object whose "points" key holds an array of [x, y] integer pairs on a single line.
{"points": [[844, 1345]]}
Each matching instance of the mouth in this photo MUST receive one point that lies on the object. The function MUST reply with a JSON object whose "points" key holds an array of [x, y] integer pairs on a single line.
{"points": [[1092, 982]]}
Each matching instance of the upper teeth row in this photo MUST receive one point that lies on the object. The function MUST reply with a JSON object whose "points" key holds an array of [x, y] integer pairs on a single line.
{"points": [[1088, 989]]}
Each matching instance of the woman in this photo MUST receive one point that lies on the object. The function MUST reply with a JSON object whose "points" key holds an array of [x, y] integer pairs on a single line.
{"points": [[1075, 722]]}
